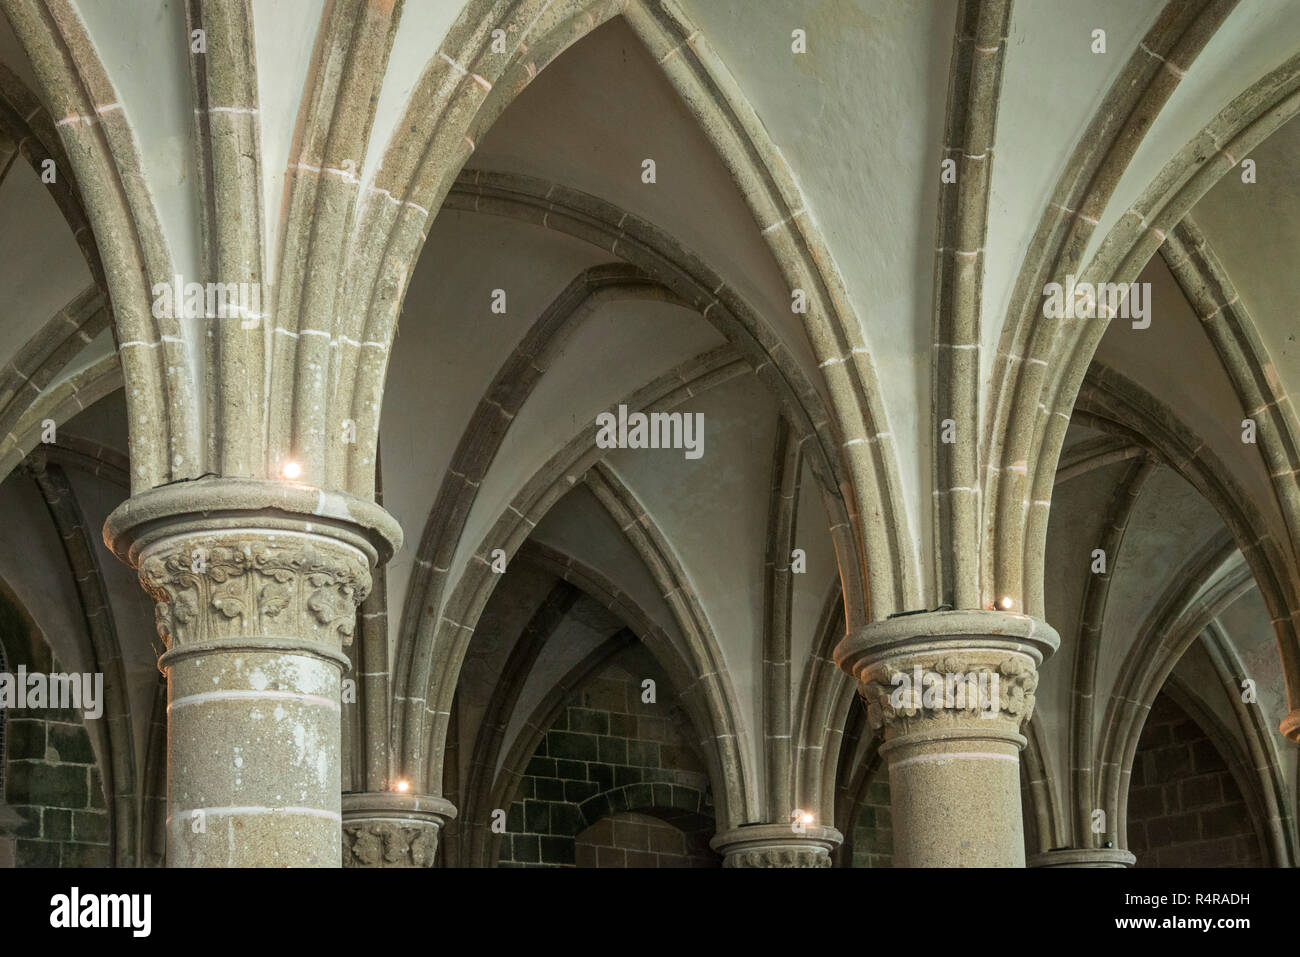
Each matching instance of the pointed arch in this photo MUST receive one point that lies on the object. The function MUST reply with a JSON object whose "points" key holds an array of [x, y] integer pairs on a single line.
{"points": [[1232, 331], [1261, 767], [1087, 652], [1110, 402], [463, 91], [486, 430], [104, 655], [640, 628], [1030, 404], [440, 643], [823, 708], [473, 801], [487, 850], [162, 408], [709, 691]]}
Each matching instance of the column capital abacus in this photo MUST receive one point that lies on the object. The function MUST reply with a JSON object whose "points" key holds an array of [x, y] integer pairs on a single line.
{"points": [[1084, 857], [215, 503]]}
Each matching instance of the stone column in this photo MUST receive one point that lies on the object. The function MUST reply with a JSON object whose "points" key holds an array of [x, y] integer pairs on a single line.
{"points": [[257, 585], [950, 691], [777, 845], [392, 828]]}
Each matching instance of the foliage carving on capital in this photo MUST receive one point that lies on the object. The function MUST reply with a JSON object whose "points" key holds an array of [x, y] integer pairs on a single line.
{"points": [[778, 856], [215, 587], [950, 689], [389, 844]]}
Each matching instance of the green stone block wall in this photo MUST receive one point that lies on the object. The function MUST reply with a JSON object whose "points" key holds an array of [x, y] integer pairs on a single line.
{"points": [[607, 754], [873, 833], [627, 839], [52, 807]]}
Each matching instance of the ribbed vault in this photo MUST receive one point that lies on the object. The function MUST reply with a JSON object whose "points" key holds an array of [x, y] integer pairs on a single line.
{"points": [[475, 227]]}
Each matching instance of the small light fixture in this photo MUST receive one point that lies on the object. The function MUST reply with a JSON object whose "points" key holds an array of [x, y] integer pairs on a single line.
{"points": [[806, 817], [402, 786], [1006, 603], [291, 470]]}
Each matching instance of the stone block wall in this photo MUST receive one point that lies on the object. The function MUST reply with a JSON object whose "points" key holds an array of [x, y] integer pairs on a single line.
{"points": [[873, 834], [54, 813], [606, 755], [638, 840], [1184, 807], [52, 807]]}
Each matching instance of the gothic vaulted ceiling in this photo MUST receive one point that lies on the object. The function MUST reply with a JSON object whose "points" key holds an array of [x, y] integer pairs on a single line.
{"points": [[822, 229]]}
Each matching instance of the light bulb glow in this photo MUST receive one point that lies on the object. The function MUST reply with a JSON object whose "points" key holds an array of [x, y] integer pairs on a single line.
{"points": [[291, 470], [402, 786], [1006, 602]]}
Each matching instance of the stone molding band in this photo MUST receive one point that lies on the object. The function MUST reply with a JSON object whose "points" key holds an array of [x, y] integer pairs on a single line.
{"points": [[945, 632], [251, 645], [213, 503], [1084, 857], [953, 734]]}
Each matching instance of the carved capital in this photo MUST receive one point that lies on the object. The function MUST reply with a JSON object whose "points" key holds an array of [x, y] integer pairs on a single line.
{"points": [[267, 562], [963, 673], [777, 845], [390, 829], [242, 582], [389, 844], [778, 857], [903, 694]]}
